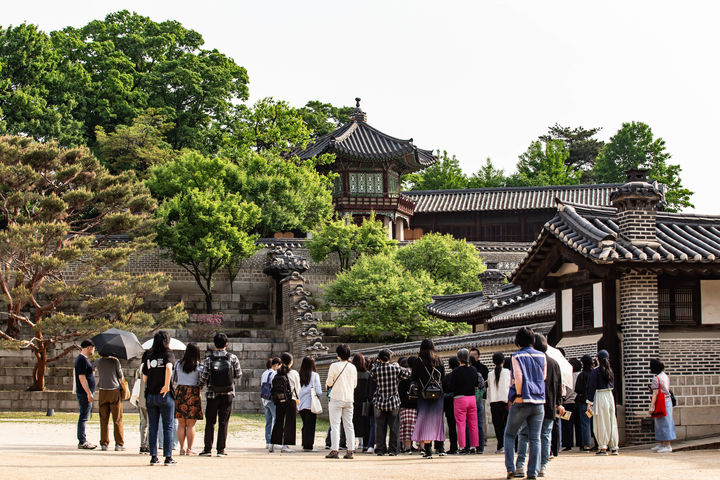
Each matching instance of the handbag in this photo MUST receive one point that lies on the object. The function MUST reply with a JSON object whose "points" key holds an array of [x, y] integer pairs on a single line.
{"points": [[315, 405], [673, 400], [135, 394], [660, 407], [125, 389]]}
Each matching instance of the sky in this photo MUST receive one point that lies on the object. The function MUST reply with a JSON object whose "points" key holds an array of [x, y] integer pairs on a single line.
{"points": [[476, 78]]}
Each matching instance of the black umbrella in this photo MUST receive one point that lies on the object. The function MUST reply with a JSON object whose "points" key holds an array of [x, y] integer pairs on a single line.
{"points": [[118, 343]]}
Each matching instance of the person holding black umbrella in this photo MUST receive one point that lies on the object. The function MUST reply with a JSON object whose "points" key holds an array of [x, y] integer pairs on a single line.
{"points": [[110, 400], [157, 372]]}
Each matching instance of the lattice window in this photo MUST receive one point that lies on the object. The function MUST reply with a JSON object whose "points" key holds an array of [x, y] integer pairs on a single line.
{"points": [[393, 185], [677, 305], [583, 316], [353, 183], [337, 186]]}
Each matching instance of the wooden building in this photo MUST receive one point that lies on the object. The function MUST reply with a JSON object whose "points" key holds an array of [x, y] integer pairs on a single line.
{"points": [[371, 165], [640, 283]]}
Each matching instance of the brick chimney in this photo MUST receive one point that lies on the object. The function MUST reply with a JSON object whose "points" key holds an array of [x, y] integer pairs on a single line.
{"points": [[491, 280], [637, 202]]}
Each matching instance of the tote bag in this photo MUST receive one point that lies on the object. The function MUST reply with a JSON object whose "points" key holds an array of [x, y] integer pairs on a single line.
{"points": [[315, 405], [660, 407]]}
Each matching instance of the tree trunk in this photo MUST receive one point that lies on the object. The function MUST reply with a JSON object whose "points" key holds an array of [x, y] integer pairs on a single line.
{"points": [[13, 330], [39, 369], [208, 301]]}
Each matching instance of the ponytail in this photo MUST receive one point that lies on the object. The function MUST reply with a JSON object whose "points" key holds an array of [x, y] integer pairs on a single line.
{"points": [[498, 359]]}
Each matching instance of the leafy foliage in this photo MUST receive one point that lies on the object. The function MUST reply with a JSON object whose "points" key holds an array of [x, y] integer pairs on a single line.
{"points": [[135, 147], [58, 207], [634, 146], [544, 163], [583, 148], [379, 296], [453, 264], [322, 118], [348, 240], [444, 174], [487, 177]]}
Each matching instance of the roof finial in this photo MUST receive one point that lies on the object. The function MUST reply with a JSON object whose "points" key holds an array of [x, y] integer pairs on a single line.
{"points": [[358, 115]]}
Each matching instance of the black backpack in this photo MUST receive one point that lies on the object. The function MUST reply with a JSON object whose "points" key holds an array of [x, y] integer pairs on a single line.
{"points": [[280, 391], [221, 374], [432, 390]]}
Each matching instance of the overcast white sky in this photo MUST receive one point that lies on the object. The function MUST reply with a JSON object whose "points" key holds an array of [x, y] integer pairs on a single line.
{"points": [[476, 78]]}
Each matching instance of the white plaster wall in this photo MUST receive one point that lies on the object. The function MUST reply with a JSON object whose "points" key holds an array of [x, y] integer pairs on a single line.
{"points": [[710, 302], [597, 305], [567, 309]]}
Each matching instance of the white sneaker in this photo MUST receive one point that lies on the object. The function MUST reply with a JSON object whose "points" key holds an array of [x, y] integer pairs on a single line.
{"points": [[664, 450], [370, 450], [656, 447], [286, 449], [267, 446]]}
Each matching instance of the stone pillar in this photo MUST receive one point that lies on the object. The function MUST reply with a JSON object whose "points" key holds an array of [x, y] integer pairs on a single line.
{"points": [[299, 321], [399, 229], [641, 342]]}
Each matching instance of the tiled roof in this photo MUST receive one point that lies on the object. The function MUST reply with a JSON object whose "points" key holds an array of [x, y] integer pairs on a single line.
{"points": [[488, 338], [509, 198], [594, 233], [465, 305], [544, 306], [361, 142]]}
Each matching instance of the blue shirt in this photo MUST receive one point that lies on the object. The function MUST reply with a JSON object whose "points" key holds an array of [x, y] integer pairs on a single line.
{"points": [[596, 382], [84, 367]]}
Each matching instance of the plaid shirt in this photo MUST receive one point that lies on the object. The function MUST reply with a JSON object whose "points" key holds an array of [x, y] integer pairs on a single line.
{"points": [[205, 376], [388, 376]]}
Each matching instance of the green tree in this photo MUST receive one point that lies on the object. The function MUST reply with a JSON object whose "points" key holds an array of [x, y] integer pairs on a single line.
{"points": [[135, 63], [204, 230], [322, 118], [544, 163], [634, 146], [487, 177], [135, 147], [348, 240], [379, 297], [445, 174], [583, 148], [268, 125], [454, 265], [37, 87], [58, 207]]}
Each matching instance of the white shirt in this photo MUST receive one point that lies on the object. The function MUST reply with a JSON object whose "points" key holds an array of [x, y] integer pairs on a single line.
{"points": [[294, 378], [499, 392], [342, 378]]}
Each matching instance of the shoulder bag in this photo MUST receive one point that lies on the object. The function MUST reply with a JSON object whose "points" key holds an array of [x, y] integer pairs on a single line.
{"points": [[315, 405], [125, 389], [660, 407]]}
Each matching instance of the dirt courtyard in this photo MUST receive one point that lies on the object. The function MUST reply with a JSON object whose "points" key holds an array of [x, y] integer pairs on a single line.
{"points": [[39, 450]]}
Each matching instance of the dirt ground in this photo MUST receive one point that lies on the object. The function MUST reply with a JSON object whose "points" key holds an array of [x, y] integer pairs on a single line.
{"points": [[39, 450]]}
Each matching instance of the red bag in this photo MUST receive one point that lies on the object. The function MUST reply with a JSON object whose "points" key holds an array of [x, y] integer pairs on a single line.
{"points": [[660, 408]]}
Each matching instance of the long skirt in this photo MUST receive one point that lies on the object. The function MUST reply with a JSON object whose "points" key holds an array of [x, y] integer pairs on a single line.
{"points": [[408, 418], [429, 425], [665, 426]]}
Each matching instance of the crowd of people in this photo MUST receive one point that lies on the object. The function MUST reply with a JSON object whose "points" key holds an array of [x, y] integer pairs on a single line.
{"points": [[376, 406]]}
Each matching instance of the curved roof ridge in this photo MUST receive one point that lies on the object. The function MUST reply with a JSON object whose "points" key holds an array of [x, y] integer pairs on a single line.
{"points": [[583, 225], [452, 296], [510, 189], [687, 216]]}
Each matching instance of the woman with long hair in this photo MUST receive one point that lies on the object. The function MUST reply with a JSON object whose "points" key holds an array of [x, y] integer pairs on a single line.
{"points": [[157, 372], [361, 422], [428, 371], [498, 387], [601, 405], [283, 432], [309, 383], [664, 426], [463, 381], [188, 405]]}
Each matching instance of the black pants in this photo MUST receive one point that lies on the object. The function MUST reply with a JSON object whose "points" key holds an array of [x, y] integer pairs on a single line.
{"points": [[383, 420], [568, 427], [556, 438], [343, 442], [283, 432], [498, 412], [449, 410], [217, 411], [308, 428]]}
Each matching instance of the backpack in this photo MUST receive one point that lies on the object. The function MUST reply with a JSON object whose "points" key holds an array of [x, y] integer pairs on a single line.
{"points": [[266, 388], [280, 392], [221, 374], [432, 390]]}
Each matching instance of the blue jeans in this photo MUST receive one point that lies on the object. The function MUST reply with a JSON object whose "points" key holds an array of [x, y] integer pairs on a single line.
{"points": [[269, 420], [520, 414], [161, 441], [584, 425], [481, 424], [85, 410], [160, 407], [545, 436]]}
